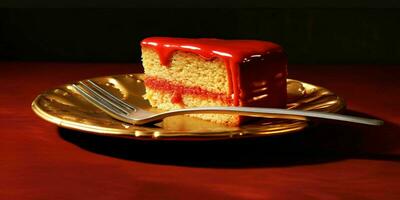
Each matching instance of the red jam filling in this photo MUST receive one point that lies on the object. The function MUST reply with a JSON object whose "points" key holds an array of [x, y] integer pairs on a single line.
{"points": [[179, 90], [177, 98]]}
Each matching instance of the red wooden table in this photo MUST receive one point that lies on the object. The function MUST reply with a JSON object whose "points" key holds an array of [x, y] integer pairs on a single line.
{"points": [[38, 160]]}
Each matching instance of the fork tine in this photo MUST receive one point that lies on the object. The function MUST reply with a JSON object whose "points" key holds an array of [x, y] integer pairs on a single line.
{"points": [[104, 99], [103, 105], [111, 96]]}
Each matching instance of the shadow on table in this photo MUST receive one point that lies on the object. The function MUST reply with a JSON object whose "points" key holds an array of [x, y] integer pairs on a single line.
{"points": [[319, 144]]}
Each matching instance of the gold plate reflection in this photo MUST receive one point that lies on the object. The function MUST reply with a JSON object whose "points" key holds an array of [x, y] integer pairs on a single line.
{"points": [[66, 108]]}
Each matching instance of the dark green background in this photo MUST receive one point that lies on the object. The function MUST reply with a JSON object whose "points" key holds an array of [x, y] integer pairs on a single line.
{"points": [[357, 32]]}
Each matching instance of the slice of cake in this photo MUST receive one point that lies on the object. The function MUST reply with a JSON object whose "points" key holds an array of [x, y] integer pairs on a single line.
{"points": [[183, 72]]}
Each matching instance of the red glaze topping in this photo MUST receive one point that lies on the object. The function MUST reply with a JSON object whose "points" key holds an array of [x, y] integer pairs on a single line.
{"points": [[232, 52]]}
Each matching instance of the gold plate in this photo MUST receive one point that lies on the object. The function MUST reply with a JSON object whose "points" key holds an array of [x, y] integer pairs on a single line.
{"points": [[66, 108]]}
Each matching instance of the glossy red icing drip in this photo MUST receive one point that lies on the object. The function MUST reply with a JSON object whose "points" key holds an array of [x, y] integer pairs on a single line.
{"points": [[232, 52], [179, 90]]}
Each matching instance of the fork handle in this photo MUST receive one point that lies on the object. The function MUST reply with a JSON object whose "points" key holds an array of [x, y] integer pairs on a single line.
{"points": [[269, 113]]}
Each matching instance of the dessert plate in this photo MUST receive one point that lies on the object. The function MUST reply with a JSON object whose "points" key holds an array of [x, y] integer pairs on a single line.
{"points": [[64, 107]]}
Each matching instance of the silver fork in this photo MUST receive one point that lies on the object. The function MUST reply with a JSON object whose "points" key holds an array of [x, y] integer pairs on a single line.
{"points": [[125, 112]]}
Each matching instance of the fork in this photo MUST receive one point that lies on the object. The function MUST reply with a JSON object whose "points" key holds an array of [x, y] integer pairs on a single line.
{"points": [[132, 114]]}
